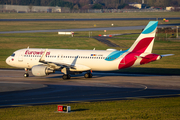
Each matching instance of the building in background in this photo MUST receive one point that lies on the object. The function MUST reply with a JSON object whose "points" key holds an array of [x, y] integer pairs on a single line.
{"points": [[30, 8]]}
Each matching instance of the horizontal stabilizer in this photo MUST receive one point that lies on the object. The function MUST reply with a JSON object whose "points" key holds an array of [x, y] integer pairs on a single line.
{"points": [[166, 55]]}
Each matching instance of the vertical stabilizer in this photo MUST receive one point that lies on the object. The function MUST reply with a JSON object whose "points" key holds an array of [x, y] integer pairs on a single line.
{"points": [[144, 43]]}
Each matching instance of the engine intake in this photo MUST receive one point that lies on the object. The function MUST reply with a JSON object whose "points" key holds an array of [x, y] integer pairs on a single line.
{"points": [[40, 70]]}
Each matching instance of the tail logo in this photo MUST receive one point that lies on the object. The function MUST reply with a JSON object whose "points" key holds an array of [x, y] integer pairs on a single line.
{"points": [[143, 44]]}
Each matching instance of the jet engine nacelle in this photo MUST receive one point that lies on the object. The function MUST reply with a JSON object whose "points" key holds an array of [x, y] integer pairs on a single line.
{"points": [[40, 70]]}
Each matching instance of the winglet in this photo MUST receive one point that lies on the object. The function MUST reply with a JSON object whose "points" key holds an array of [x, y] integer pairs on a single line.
{"points": [[42, 59]]}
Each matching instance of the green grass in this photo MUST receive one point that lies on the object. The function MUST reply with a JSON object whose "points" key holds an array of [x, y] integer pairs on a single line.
{"points": [[150, 109], [87, 15], [48, 25], [47, 40], [19, 26]]}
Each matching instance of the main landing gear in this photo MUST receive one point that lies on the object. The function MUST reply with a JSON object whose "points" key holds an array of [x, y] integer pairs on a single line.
{"points": [[26, 74], [67, 74]]}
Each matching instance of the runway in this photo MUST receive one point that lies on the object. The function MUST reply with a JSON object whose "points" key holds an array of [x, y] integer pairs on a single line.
{"points": [[15, 90], [88, 29]]}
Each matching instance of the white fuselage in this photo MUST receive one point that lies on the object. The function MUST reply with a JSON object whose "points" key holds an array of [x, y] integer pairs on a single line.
{"points": [[96, 60]]}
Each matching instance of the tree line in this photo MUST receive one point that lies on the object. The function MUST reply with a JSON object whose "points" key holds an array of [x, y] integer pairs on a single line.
{"points": [[93, 4]]}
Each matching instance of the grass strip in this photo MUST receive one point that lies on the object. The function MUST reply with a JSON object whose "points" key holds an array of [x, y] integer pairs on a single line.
{"points": [[156, 108], [49, 25], [87, 15], [12, 42]]}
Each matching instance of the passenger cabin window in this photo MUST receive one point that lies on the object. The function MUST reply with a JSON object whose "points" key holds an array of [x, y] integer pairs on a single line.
{"points": [[13, 55]]}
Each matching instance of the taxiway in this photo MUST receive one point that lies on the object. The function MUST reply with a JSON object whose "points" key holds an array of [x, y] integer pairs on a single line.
{"points": [[15, 90]]}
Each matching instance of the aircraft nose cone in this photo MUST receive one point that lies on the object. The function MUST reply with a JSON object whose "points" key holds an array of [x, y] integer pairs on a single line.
{"points": [[8, 60]]}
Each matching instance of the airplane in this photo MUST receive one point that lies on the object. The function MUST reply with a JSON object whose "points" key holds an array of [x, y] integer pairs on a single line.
{"points": [[43, 62]]}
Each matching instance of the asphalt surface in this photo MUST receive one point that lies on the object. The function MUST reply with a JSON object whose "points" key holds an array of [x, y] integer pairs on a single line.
{"points": [[88, 29], [15, 90], [105, 41], [80, 29]]}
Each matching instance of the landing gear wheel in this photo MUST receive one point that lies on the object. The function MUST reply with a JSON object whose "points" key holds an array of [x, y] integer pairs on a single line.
{"points": [[26, 75], [88, 75], [64, 77]]}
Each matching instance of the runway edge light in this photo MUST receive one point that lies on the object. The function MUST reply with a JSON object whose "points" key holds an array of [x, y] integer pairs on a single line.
{"points": [[63, 108]]}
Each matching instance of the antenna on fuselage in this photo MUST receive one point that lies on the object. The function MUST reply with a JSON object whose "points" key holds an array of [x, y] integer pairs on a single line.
{"points": [[28, 47]]}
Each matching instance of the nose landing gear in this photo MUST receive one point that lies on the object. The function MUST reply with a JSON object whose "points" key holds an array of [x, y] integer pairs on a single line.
{"points": [[26, 74]]}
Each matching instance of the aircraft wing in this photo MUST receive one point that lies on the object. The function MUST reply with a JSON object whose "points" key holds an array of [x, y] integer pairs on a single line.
{"points": [[54, 64], [60, 65]]}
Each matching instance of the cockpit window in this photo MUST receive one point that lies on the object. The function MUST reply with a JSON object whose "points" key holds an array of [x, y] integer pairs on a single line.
{"points": [[13, 55]]}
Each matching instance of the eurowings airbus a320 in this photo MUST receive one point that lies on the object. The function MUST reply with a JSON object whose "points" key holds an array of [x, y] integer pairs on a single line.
{"points": [[43, 62]]}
